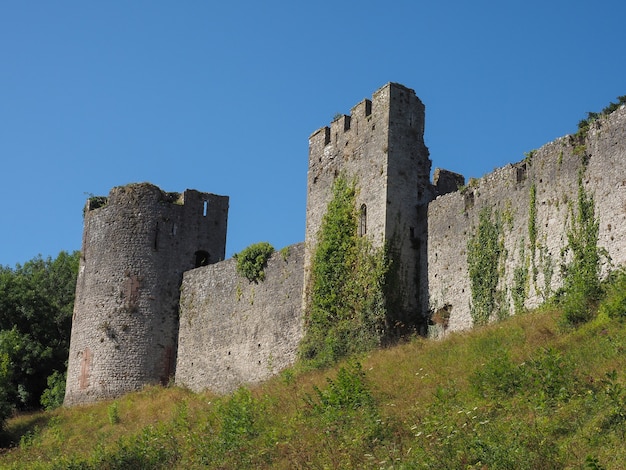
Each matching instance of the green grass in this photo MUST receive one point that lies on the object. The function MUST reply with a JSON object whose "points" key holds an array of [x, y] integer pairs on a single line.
{"points": [[521, 393]]}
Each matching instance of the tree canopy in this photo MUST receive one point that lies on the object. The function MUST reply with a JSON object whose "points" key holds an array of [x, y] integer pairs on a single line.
{"points": [[36, 304]]}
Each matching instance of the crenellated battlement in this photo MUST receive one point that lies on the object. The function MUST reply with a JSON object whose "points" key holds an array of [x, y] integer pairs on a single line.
{"points": [[363, 113], [362, 110]]}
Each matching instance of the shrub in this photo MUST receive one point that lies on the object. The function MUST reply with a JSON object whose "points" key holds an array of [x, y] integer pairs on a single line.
{"points": [[616, 395], [252, 261], [499, 377], [52, 397], [551, 377], [6, 404], [614, 303], [347, 392], [347, 414], [238, 420], [113, 413]]}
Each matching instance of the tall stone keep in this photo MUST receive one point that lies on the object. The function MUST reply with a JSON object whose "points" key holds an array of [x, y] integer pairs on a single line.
{"points": [[137, 242], [381, 145]]}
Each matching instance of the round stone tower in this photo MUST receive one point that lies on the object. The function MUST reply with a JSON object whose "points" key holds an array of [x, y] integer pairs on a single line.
{"points": [[137, 242]]}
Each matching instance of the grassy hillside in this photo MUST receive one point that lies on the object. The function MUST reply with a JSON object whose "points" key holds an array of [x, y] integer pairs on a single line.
{"points": [[522, 393]]}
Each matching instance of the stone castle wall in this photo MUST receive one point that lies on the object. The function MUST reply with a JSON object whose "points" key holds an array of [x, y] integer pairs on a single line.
{"points": [[136, 247], [380, 144], [134, 322], [553, 172], [233, 331]]}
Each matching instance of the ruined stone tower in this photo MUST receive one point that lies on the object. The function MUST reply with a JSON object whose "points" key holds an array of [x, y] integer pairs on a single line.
{"points": [[136, 245], [381, 145]]}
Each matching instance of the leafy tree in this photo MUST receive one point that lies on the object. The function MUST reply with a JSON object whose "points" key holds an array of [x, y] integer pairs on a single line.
{"points": [[36, 303]]}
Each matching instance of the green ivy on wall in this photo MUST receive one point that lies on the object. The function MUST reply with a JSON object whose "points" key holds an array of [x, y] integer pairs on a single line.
{"points": [[547, 264], [582, 275], [532, 220], [485, 253], [346, 310], [519, 292]]}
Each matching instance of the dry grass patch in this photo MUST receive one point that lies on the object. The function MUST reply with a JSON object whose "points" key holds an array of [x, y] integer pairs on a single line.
{"points": [[523, 393]]}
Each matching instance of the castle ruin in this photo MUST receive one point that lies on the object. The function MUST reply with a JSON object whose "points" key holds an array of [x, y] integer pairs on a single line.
{"points": [[137, 243], [155, 300]]}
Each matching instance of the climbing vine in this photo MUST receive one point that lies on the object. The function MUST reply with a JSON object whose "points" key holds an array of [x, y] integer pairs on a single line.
{"points": [[547, 265], [532, 219], [582, 274], [346, 310], [532, 231], [485, 253], [519, 292]]}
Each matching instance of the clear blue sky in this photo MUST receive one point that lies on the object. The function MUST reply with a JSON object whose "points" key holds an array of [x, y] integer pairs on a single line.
{"points": [[222, 96]]}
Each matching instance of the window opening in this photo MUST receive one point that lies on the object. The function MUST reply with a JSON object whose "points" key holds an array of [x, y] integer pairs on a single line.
{"points": [[205, 208], [521, 173], [202, 258]]}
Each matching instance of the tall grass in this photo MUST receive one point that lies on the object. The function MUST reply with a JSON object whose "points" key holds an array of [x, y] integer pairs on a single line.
{"points": [[522, 393]]}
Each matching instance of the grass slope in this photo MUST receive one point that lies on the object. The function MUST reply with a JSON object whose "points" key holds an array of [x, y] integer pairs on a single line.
{"points": [[522, 393]]}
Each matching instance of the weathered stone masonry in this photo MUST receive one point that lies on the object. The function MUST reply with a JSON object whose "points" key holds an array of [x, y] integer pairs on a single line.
{"points": [[381, 145], [233, 331], [136, 247], [143, 313], [552, 174]]}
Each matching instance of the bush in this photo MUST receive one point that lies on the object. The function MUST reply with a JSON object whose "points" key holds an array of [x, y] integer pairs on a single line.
{"points": [[347, 417], [614, 303], [499, 377], [238, 415], [113, 413], [6, 404], [52, 397], [347, 392], [252, 261], [551, 377]]}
